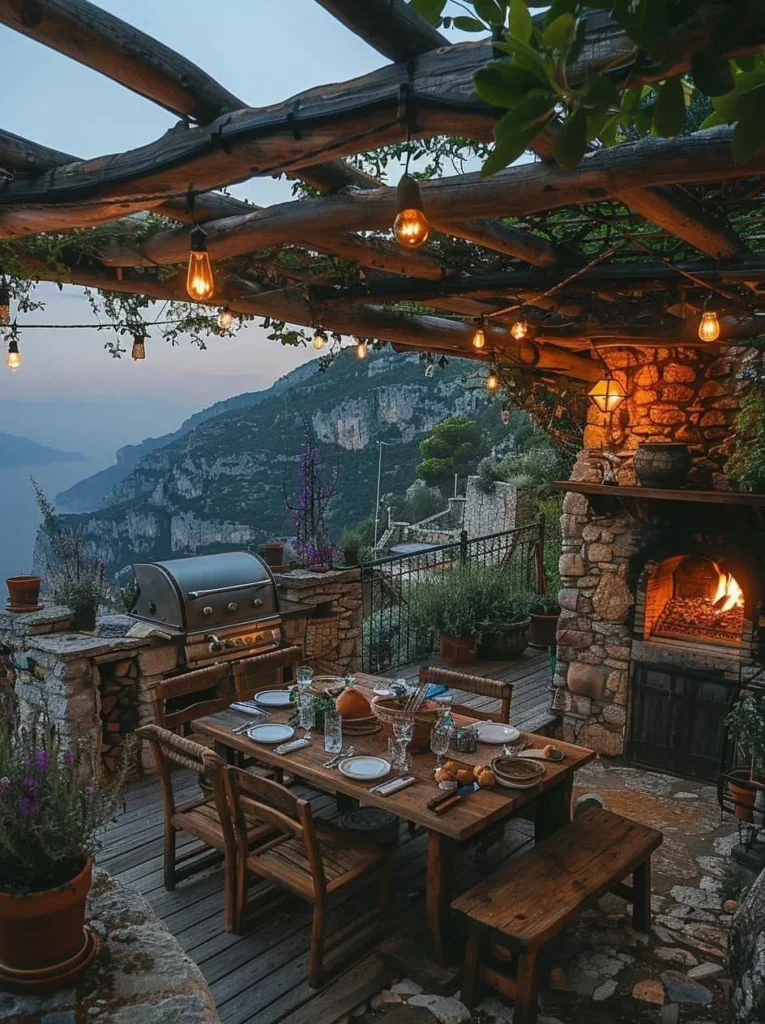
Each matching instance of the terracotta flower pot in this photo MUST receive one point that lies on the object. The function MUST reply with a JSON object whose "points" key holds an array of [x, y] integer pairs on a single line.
{"points": [[24, 592], [543, 629], [42, 934], [509, 640], [744, 793], [457, 650], [272, 553]]}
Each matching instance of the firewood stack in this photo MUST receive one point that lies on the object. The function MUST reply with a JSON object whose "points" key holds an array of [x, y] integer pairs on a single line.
{"points": [[699, 617], [119, 709]]}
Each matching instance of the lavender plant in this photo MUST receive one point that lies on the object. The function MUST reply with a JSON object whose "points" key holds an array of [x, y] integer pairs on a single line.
{"points": [[53, 804], [308, 511]]}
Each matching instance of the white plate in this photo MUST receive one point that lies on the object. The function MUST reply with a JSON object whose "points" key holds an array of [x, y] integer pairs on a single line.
{"points": [[382, 691], [273, 698], [270, 733], [364, 768], [495, 732]]}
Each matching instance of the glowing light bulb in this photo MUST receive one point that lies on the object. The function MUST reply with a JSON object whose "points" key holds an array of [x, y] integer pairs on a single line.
{"points": [[411, 225], [199, 280], [361, 350], [479, 339], [225, 319], [709, 326], [492, 382], [319, 340], [13, 359], [607, 394], [520, 329], [138, 350]]}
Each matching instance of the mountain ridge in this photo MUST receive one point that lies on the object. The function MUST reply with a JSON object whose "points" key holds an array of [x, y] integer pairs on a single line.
{"points": [[18, 451]]}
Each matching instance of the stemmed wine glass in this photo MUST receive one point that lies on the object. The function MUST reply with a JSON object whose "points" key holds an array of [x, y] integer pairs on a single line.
{"points": [[400, 758], [440, 736]]}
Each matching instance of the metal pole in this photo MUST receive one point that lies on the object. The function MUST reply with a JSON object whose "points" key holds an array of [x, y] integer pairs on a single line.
{"points": [[379, 476]]}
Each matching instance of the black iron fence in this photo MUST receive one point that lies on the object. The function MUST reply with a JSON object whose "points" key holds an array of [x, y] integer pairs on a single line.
{"points": [[391, 638]]}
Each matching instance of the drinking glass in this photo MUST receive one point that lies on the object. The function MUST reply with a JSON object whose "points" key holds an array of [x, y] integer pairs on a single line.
{"points": [[306, 712], [304, 675], [441, 735], [403, 729], [333, 732]]}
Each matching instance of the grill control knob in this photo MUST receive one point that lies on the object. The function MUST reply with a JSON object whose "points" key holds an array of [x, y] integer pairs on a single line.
{"points": [[233, 606], [207, 610], [257, 602]]}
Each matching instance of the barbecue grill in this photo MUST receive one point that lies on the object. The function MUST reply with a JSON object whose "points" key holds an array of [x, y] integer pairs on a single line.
{"points": [[220, 607]]}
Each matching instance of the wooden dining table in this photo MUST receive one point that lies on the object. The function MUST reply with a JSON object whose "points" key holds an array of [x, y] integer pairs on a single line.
{"points": [[548, 803]]}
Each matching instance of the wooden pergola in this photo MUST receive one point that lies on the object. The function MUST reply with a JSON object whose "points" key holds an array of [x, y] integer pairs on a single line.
{"points": [[601, 256]]}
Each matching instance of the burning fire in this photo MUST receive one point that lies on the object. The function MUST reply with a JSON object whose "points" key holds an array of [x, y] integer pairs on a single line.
{"points": [[729, 594]]}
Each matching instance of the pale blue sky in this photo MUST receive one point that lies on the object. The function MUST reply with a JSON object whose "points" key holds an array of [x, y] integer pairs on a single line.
{"points": [[263, 51]]}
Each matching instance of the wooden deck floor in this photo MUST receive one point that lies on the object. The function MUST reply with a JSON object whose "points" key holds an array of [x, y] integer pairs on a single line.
{"points": [[260, 977]]}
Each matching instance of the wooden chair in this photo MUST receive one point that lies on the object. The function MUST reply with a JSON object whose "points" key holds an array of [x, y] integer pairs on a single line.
{"points": [[495, 688], [523, 906], [173, 699], [311, 858], [266, 671], [207, 820]]}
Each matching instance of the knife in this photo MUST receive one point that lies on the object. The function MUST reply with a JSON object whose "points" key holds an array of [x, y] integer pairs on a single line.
{"points": [[454, 798]]}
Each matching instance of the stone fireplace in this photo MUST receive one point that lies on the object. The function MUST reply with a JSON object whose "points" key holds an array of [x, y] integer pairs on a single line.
{"points": [[661, 591]]}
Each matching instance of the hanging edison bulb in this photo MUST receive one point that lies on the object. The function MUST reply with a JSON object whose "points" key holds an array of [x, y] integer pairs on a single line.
{"points": [[13, 359], [225, 319], [492, 382], [199, 280], [5, 306], [709, 326], [479, 338], [319, 340], [138, 350], [521, 329], [411, 225], [361, 349], [607, 394]]}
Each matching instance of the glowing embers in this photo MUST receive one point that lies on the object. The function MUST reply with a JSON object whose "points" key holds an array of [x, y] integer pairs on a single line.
{"points": [[702, 602]]}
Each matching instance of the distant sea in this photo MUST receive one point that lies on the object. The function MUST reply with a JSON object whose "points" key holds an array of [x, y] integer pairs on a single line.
{"points": [[19, 518]]}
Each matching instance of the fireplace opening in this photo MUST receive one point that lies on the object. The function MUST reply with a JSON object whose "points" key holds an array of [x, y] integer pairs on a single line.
{"points": [[690, 597]]}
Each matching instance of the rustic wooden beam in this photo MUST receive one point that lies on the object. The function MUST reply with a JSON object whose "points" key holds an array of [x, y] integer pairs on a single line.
{"points": [[509, 240], [292, 305], [104, 42], [394, 29], [516, 191], [21, 155], [387, 25]]}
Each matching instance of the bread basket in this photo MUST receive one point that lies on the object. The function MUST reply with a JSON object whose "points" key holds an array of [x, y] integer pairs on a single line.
{"points": [[517, 773], [391, 709]]}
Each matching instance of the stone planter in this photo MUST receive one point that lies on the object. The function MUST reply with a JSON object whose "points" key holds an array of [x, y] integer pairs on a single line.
{"points": [[507, 641], [662, 465], [457, 650], [43, 940], [24, 593], [543, 629]]}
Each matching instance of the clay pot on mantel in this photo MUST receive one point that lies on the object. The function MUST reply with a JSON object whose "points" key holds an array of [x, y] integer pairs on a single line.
{"points": [[24, 593], [662, 465]]}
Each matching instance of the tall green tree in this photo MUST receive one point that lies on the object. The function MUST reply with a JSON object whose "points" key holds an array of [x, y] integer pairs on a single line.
{"points": [[454, 447]]}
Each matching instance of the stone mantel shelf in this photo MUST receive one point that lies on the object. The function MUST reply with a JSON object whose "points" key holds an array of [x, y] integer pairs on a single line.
{"points": [[645, 504]]}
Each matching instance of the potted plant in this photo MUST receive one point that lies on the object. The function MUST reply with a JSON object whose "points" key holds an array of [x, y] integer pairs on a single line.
{"points": [[351, 543], [52, 808], [544, 612], [746, 728], [75, 578], [505, 620]]}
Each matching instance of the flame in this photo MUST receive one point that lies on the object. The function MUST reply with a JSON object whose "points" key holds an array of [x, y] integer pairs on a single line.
{"points": [[729, 594]]}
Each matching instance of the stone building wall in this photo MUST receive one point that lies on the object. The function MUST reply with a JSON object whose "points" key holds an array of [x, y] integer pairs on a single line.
{"points": [[505, 508], [684, 395]]}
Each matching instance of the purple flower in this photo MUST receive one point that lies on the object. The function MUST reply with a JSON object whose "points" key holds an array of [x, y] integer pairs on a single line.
{"points": [[29, 783], [90, 787], [5, 782], [70, 757], [27, 809], [41, 760]]}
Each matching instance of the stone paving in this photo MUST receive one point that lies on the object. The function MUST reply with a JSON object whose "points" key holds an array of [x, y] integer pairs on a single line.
{"points": [[140, 975], [604, 972]]}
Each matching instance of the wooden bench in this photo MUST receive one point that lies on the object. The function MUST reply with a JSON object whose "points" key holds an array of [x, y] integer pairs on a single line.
{"points": [[534, 897]]}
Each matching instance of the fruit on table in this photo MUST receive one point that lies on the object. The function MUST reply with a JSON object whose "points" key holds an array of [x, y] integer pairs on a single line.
{"points": [[444, 775]]}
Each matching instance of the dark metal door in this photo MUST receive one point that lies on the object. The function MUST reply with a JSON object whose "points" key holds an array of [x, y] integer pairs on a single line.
{"points": [[677, 720]]}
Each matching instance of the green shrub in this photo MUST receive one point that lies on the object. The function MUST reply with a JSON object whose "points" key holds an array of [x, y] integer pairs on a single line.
{"points": [[468, 601]]}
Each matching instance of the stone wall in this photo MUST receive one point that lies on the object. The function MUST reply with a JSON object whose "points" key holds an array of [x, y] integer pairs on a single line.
{"points": [[505, 508], [333, 632], [684, 395]]}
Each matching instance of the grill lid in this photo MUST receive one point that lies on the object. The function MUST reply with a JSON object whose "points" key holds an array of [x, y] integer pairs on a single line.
{"points": [[205, 592]]}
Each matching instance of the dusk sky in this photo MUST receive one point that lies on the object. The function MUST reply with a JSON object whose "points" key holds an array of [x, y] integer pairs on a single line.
{"points": [[73, 393]]}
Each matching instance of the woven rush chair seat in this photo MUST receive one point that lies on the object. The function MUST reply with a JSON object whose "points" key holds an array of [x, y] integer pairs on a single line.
{"points": [[478, 685]]}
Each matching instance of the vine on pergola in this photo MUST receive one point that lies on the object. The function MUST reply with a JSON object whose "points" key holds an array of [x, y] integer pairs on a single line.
{"points": [[634, 219]]}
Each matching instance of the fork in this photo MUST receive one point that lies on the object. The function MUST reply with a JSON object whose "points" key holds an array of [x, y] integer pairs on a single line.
{"points": [[335, 761]]}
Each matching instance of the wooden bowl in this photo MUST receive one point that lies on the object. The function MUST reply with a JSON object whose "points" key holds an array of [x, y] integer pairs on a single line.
{"points": [[516, 773]]}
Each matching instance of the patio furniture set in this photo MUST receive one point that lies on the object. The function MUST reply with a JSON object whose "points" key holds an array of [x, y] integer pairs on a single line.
{"points": [[250, 818]]}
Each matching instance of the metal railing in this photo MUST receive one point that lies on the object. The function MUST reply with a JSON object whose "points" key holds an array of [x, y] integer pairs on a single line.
{"points": [[390, 637]]}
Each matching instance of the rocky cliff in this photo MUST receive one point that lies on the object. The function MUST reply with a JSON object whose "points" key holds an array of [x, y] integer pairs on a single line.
{"points": [[220, 484]]}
